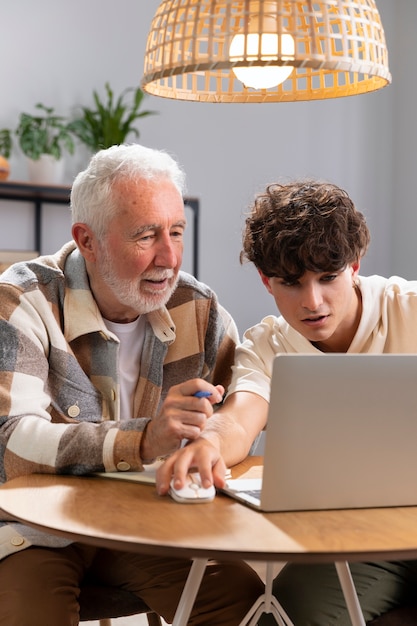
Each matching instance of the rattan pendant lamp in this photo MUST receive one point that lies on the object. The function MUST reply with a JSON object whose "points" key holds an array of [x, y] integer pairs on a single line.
{"points": [[265, 50]]}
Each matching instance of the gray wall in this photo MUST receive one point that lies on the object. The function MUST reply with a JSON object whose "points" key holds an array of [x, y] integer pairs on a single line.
{"points": [[58, 52]]}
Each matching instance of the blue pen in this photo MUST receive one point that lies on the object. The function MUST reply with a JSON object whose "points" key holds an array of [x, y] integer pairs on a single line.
{"points": [[202, 394], [197, 394]]}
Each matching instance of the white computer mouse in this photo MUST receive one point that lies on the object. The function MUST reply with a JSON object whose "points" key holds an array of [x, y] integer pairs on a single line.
{"points": [[192, 492]]}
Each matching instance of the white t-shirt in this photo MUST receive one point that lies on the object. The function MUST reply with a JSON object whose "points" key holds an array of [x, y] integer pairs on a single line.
{"points": [[388, 325], [131, 337]]}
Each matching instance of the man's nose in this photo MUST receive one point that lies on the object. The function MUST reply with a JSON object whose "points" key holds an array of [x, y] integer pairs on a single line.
{"points": [[312, 297], [166, 253]]}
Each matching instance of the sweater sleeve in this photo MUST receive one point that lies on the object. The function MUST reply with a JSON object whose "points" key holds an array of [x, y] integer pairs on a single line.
{"points": [[51, 413]]}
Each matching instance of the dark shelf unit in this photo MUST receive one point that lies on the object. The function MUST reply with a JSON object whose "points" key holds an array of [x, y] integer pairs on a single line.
{"points": [[39, 195]]}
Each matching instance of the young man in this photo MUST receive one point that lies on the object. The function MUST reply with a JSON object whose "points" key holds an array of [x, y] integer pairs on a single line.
{"points": [[102, 347], [307, 240]]}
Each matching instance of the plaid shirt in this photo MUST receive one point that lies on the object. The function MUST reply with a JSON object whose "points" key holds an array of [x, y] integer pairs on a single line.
{"points": [[59, 386]]}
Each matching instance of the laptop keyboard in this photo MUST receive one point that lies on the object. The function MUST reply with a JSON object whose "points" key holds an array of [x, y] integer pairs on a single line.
{"points": [[254, 493]]}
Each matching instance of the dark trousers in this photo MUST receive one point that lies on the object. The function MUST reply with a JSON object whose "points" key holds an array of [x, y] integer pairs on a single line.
{"points": [[312, 596], [40, 586]]}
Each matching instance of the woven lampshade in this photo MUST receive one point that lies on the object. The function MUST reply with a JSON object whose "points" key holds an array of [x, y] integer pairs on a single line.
{"points": [[339, 49]]}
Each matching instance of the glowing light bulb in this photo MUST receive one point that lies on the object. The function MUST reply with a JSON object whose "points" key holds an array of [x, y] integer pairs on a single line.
{"points": [[262, 77]]}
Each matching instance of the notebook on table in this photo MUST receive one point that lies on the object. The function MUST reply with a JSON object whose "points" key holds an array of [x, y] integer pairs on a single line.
{"points": [[148, 475], [341, 433]]}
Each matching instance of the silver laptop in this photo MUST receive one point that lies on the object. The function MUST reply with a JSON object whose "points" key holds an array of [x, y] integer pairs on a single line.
{"points": [[341, 433]]}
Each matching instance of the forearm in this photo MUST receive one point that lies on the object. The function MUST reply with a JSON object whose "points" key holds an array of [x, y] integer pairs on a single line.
{"points": [[234, 427], [231, 440], [37, 445]]}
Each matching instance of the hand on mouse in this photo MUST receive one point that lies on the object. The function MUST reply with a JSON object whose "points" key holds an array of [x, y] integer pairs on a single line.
{"points": [[192, 492], [201, 455]]}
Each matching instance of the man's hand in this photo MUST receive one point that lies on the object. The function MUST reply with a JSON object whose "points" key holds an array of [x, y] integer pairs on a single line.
{"points": [[201, 454], [225, 441], [183, 416]]}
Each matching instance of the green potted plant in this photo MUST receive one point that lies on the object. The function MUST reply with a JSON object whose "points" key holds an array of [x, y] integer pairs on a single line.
{"points": [[5, 143], [111, 121], [43, 138], [5, 150]]}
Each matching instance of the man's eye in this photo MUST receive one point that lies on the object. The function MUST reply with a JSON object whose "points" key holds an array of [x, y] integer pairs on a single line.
{"points": [[329, 278], [147, 237]]}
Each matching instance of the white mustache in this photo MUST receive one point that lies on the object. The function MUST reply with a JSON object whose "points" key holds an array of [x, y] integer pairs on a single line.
{"points": [[165, 275]]}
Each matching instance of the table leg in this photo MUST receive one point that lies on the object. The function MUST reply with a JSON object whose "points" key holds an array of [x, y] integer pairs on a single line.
{"points": [[267, 603], [349, 591], [189, 592]]}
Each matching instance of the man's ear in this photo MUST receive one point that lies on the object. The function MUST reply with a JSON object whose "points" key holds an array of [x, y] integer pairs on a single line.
{"points": [[265, 280], [85, 240], [355, 269]]}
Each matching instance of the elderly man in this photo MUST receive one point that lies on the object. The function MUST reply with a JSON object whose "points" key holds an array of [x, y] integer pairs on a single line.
{"points": [[102, 348]]}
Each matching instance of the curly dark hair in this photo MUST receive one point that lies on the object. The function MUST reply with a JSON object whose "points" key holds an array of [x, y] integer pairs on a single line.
{"points": [[303, 226]]}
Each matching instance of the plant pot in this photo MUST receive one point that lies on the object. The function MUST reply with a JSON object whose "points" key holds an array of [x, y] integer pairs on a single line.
{"points": [[46, 170], [4, 168]]}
